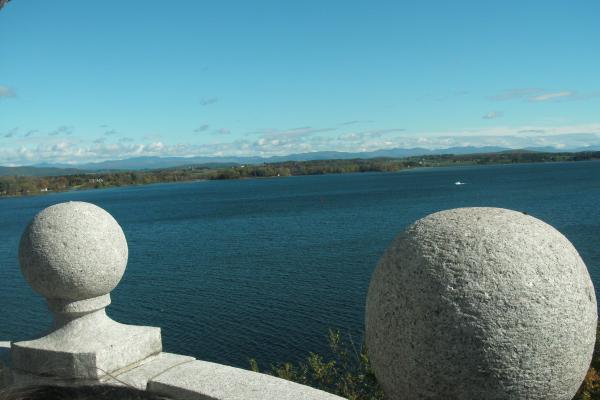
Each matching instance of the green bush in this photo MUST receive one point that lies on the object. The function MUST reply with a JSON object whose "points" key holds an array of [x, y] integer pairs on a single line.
{"points": [[590, 388], [346, 372]]}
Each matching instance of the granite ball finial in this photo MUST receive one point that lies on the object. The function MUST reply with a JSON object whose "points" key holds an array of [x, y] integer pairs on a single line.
{"points": [[74, 254], [481, 303], [73, 251]]}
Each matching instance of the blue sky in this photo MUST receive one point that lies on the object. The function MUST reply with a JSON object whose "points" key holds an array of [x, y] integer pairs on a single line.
{"points": [[87, 81]]}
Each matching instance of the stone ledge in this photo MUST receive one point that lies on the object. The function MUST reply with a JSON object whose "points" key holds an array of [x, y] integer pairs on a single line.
{"points": [[138, 377], [201, 380], [87, 348]]}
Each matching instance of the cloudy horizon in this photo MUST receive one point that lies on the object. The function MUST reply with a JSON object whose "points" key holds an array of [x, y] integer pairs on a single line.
{"points": [[74, 150], [158, 83]]}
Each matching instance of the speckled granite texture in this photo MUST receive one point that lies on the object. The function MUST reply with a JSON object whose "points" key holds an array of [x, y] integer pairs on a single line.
{"points": [[481, 303], [74, 254]]}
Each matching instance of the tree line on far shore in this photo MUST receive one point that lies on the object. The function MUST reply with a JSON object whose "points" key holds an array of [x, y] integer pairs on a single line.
{"points": [[28, 185]]}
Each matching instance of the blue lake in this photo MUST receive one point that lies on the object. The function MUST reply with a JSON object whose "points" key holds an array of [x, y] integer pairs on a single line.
{"points": [[263, 268]]}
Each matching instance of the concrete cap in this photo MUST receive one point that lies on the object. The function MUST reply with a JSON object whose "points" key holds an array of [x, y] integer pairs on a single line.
{"points": [[73, 251]]}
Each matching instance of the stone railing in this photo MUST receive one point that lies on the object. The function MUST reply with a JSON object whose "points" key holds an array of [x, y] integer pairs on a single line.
{"points": [[473, 303]]}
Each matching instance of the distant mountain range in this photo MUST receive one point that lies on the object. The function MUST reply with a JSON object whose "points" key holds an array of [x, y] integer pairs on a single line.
{"points": [[139, 163], [142, 163], [38, 171]]}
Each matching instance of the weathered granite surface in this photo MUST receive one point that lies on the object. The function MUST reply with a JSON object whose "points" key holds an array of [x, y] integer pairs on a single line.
{"points": [[139, 376], [74, 254], [136, 375], [201, 380], [73, 251], [480, 303], [88, 347]]}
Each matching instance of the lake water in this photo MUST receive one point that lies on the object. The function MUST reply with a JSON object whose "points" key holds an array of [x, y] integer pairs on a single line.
{"points": [[263, 268]]}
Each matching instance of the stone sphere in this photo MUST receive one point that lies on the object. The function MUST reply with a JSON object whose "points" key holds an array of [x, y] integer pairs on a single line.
{"points": [[480, 303], [73, 251]]}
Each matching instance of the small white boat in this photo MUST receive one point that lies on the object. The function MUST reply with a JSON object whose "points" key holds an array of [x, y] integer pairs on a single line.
{"points": [[459, 183]]}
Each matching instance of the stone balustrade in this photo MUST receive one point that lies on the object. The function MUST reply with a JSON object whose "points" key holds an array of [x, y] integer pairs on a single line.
{"points": [[74, 254], [469, 303]]}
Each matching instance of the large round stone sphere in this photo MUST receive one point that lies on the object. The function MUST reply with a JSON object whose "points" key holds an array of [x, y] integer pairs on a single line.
{"points": [[480, 303], [73, 251]]}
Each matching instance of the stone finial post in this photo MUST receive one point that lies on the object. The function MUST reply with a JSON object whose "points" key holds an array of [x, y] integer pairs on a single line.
{"points": [[74, 254], [480, 303]]}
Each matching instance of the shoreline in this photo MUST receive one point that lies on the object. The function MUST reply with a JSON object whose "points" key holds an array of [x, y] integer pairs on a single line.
{"points": [[272, 171]]}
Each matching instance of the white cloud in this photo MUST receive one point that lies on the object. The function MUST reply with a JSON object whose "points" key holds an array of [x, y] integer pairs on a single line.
{"points": [[354, 122], [492, 115], [552, 96], [300, 132], [11, 133], [152, 136], [518, 94], [6, 92], [537, 95], [62, 150], [367, 135], [201, 128], [62, 130], [381, 132], [532, 131], [351, 137], [209, 101]]}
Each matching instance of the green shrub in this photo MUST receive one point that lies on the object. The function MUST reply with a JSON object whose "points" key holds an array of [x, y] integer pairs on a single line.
{"points": [[590, 388], [346, 372]]}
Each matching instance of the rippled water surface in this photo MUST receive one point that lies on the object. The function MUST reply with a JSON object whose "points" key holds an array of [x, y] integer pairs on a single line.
{"points": [[262, 268]]}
